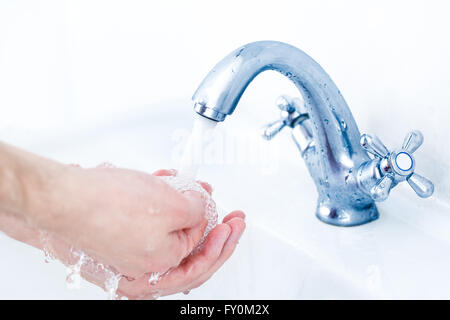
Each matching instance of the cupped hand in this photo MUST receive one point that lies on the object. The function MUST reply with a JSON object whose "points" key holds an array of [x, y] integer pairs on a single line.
{"points": [[127, 219], [137, 224]]}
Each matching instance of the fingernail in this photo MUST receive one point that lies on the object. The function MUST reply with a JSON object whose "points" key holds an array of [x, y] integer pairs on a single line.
{"points": [[227, 235], [207, 185]]}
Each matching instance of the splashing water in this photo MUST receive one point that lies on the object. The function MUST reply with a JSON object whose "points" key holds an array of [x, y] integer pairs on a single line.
{"points": [[154, 278], [111, 285], [156, 295], [44, 238], [192, 156], [106, 165], [112, 278], [73, 279]]}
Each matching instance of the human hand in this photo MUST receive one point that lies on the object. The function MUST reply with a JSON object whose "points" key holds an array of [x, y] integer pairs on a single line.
{"points": [[127, 219], [193, 270], [191, 273]]}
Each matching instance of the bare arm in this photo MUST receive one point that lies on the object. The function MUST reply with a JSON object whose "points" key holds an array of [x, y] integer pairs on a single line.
{"points": [[127, 219]]}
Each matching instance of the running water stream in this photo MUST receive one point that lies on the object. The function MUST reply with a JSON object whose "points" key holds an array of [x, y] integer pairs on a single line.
{"points": [[193, 151], [192, 159]]}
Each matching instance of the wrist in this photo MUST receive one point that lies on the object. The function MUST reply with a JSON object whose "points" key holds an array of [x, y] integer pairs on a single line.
{"points": [[11, 194], [28, 186]]}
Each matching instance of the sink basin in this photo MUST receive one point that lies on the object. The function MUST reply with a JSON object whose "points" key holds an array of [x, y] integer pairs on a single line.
{"points": [[285, 253]]}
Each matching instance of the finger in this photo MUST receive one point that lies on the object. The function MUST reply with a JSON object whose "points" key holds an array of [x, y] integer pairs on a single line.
{"points": [[205, 185], [173, 172], [189, 270], [238, 226], [165, 172], [188, 276], [198, 263], [196, 235], [189, 212], [234, 214], [179, 210], [183, 242], [182, 210]]}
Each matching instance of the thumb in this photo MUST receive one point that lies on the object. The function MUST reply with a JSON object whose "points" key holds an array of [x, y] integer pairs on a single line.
{"points": [[195, 208], [190, 211]]}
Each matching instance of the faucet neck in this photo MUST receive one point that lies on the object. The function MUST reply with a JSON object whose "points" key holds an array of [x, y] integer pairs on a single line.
{"points": [[336, 155], [335, 130]]}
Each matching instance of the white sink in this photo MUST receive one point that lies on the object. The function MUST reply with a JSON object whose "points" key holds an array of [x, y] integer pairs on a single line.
{"points": [[285, 252]]}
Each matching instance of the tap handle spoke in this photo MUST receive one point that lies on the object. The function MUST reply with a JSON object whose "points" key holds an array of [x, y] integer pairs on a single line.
{"points": [[397, 166], [413, 141], [288, 117], [285, 103], [374, 145], [421, 185], [272, 129], [380, 191]]}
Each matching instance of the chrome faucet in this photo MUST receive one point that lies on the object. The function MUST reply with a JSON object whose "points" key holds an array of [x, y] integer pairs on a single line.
{"points": [[348, 181]]}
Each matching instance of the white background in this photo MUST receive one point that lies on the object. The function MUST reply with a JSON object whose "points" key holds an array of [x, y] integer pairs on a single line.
{"points": [[70, 66]]}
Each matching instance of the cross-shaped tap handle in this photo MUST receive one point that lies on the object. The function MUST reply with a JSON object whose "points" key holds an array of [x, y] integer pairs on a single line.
{"points": [[288, 117], [397, 166]]}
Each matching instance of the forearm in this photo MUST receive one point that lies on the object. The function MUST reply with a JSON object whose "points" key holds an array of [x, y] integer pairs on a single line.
{"points": [[27, 185]]}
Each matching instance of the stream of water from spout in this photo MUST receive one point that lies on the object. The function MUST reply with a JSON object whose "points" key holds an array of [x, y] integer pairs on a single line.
{"points": [[192, 158], [193, 152]]}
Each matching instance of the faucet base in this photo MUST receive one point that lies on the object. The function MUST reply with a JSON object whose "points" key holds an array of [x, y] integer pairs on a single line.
{"points": [[338, 215]]}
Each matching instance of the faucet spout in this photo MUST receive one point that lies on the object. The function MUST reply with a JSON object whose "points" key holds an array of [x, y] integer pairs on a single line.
{"points": [[336, 154]]}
